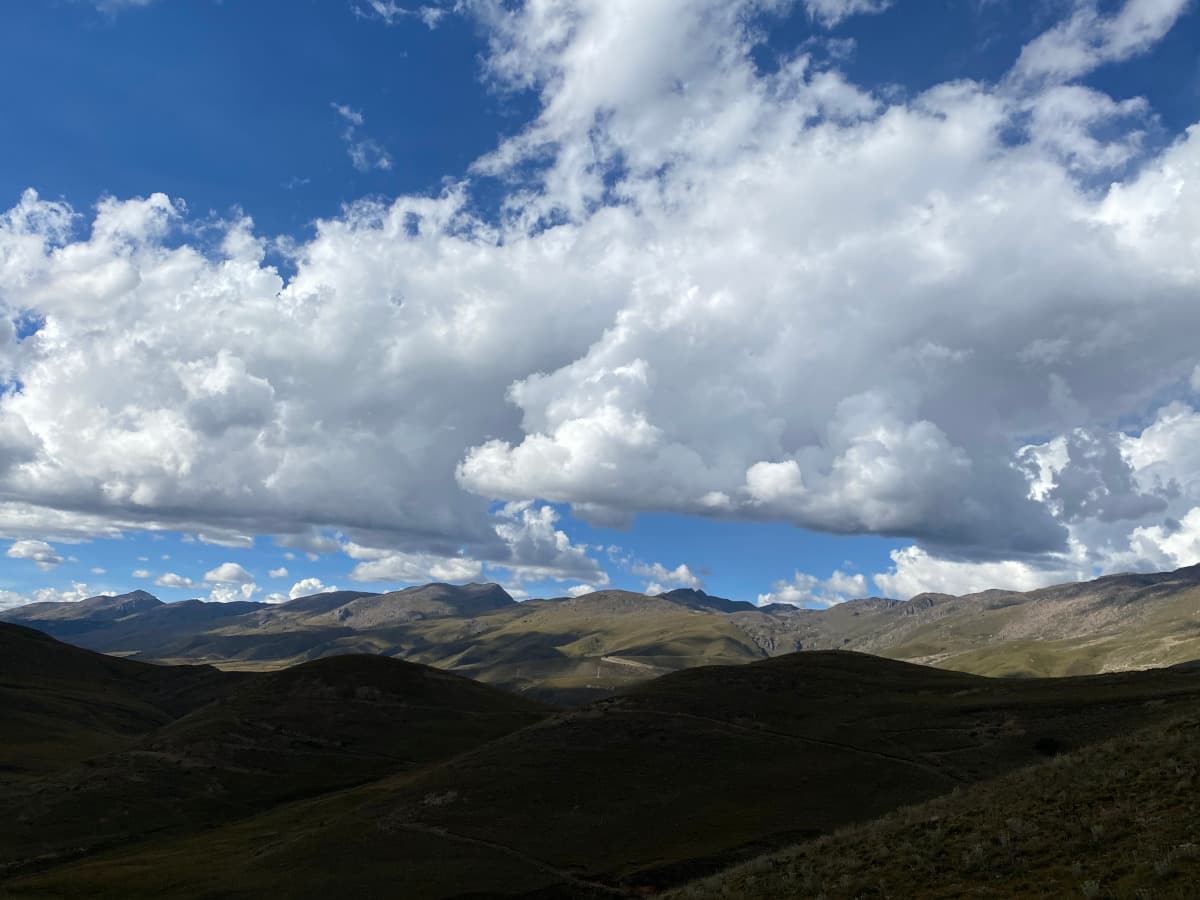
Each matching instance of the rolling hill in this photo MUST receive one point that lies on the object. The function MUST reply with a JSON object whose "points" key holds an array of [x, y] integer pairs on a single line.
{"points": [[671, 779], [1111, 820], [99, 751]]}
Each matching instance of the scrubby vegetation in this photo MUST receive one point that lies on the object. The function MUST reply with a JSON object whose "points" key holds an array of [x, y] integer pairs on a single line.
{"points": [[366, 776], [1120, 820]]}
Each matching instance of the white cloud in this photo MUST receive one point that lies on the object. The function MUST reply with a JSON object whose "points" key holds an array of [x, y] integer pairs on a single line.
{"points": [[97, 570], [662, 579], [21, 520], [142, 573], [12, 599], [390, 13], [831, 12], [1088, 38], [171, 580], [808, 590], [115, 6], [1165, 546], [535, 549], [308, 586], [578, 590], [76, 592], [226, 538], [353, 116], [281, 572], [41, 554], [711, 291], [228, 573], [915, 571], [538, 549], [379, 565], [230, 593], [365, 153]]}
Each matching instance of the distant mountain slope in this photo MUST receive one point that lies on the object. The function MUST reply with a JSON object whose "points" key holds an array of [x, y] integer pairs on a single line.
{"points": [[68, 619], [576, 649], [424, 602], [1110, 624], [674, 778], [321, 603], [699, 600]]}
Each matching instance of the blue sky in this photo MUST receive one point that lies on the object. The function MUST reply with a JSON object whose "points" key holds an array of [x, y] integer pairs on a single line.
{"points": [[794, 300]]}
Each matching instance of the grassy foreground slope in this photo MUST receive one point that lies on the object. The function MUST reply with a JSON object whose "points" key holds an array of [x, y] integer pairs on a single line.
{"points": [[138, 750], [60, 704], [672, 779], [1118, 820]]}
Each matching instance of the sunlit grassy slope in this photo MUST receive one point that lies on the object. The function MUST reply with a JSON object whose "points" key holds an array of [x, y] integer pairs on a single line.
{"points": [[571, 650]]}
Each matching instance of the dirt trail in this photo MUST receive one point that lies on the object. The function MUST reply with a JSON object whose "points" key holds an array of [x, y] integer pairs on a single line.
{"points": [[633, 663]]}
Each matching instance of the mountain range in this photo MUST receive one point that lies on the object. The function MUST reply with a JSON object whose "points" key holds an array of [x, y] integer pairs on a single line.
{"points": [[576, 649]]}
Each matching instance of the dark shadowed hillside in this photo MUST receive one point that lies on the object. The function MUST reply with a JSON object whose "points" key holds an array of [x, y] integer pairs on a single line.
{"points": [[99, 751], [674, 778], [1112, 820], [60, 704]]}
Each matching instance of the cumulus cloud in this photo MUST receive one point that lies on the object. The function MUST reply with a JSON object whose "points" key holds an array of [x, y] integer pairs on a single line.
{"points": [[281, 572], [538, 549], [915, 571], [308, 586], [76, 592], [381, 565], [808, 590], [710, 290], [662, 579], [534, 549], [231, 593], [171, 580], [228, 573], [40, 553]]}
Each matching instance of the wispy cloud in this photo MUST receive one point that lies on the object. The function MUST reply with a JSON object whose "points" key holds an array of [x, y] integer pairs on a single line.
{"points": [[390, 13], [832, 12], [115, 6], [365, 152]]}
